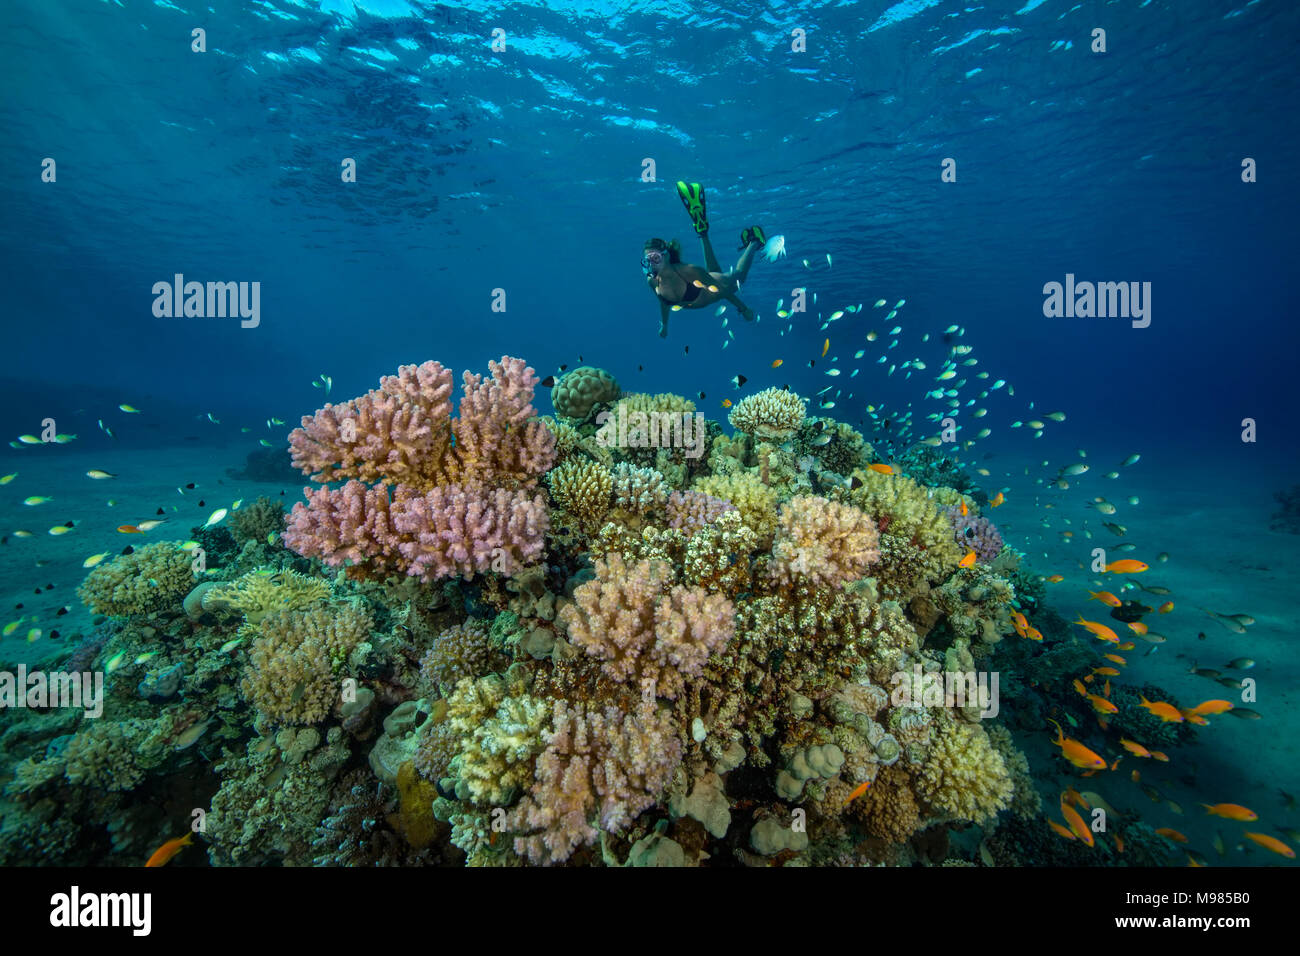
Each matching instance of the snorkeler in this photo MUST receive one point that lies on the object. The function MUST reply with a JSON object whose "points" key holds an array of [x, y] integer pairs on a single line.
{"points": [[680, 285]]}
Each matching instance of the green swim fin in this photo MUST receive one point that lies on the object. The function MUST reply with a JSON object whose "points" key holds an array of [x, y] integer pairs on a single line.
{"points": [[752, 234], [692, 196]]}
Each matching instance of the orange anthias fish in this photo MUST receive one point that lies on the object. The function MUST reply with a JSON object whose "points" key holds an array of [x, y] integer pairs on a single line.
{"points": [[858, 791], [1212, 707], [997, 501], [1021, 623], [1165, 608], [826, 347], [1033, 633], [778, 363], [1061, 831], [1126, 646], [1230, 811], [1158, 755], [1170, 834], [968, 561], [1272, 843], [1137, 627], [1105, 597], [1106, 671], [1164, 710], [1056, 579], [1101, 705], [1194, 718], [129, 529], [1077, 826], [1101, 630], [1126, 566], [1136, 749], [162, 856], [1119, 844], [964, 510], [1077, 753], [1116, 659], [881, 469], [1078, 686], [726, 403]]}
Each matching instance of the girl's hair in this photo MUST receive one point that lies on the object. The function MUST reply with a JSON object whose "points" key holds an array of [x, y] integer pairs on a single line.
{"points": [[673, 248]]}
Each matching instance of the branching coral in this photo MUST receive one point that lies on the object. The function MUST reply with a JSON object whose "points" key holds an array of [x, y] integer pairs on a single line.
{"points": [[693, 510], [584, 489], [153, 578], [645, 630], [260, 592], [822, 543], [965, 776], [463, 650], [773, 413], [756, 502], [293, 662], [600, 767]]}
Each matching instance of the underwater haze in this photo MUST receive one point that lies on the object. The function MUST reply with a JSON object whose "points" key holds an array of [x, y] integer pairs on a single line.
{"points": [[1016, 400]]}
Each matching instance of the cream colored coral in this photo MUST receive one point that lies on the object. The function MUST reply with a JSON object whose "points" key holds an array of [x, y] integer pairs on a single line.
{"points": [[153, 578], [964, 775], [496, 761], [638, 490], [262, 591], [774, 413], [906, 511], [822, 543]]}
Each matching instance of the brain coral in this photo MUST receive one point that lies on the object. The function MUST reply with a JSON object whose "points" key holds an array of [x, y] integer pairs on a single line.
{"points": [[772, 414], [153, 578], [965, 776], [575, 393], [823, 543]]}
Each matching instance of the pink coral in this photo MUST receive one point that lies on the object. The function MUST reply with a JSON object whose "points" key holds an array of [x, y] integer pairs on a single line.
{"points": [[822, 543], [450, 497], [693, 510], [643, 628], [599, 766], [444, 532]]}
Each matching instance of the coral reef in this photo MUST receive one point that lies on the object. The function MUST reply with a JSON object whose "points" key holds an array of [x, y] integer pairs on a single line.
{"points": [[578, 391], [155, 577], [773, 414]]}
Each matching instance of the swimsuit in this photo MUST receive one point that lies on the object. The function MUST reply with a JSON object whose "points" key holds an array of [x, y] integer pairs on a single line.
{"points": [[692, 293]]}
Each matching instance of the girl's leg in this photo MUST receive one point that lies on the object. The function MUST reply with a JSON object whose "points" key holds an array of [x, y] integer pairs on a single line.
{"points": [[710, 260], [741, 272]]}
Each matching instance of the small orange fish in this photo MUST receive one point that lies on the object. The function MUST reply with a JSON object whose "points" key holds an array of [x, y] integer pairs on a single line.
{"points": [[1170, 834], [1105, 597], [1137, 627], [1135, 777], [129, 529], [1159, 755], [726, 403], [1106, 671], [1165, 608], [1212, 707], [1126, 566], [881, 469], [1117, 759], [1061, 831], [1231, 811], [997, 501], [1105, 691], [826, 347], [1078, 686], [1136, 749], [968, 561], [1100, 630], [858, 791], [1020, 622], [1272, 843], [1116, 659], [1119, 843], [1033, 633], [1165, 711], [1077, 826], [1056, 579], [964, 510], [1077, 753], [164, 853], [1126, 646], [778, 363], [1075, 799], [1194, 718], [1101, 705]]}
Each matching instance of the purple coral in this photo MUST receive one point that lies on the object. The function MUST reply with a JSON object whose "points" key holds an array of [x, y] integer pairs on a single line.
{"points": [[975, 533], [693, 510]]}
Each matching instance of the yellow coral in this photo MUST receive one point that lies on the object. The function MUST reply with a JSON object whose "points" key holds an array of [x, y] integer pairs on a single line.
{"points": [[964, 775], [293, 662], [774, 413], [823, 543], [906, 511], [583, 489], [756, 502], [260, 592], [153, 578]]}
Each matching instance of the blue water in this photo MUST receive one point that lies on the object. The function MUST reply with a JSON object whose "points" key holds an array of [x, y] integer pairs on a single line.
{"points": [[523, 171]]}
